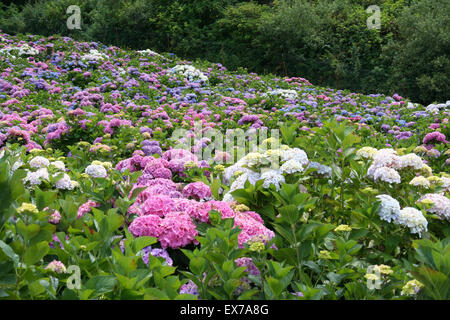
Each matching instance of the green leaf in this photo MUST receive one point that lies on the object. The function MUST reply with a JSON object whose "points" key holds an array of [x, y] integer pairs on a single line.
{"points": [[197, 265], [36, 287], [290, 213], [126, 283], [141, 242], [27, 231], [101, 284], [9, 252], [36, 252], [45, 198]]}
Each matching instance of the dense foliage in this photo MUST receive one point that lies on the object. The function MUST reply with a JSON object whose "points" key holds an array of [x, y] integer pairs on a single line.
{"points": [[327, 42], [107, 190]]}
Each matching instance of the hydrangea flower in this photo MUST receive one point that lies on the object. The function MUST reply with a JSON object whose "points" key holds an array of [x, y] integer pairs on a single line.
{"points": [[420, 181], [413, 219], [291, 166], [96, 171], [390, 208], [272, 177], [56, 266], [197, 190], [189, 288], [441, 204], [411, 288], [36, 178], [39, 162], [387, 175]]}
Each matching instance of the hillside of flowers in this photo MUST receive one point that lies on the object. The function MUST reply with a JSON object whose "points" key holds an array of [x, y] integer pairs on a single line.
{"points": [[120, 179]]}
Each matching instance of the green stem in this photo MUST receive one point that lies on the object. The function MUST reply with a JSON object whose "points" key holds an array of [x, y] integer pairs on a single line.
{"points": [[296, 249]]}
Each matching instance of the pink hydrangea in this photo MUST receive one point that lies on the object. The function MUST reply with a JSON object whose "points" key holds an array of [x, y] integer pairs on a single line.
{"points": [[86, 207], [56, 266], [149, 225], [159, 205], [175, 230], [163, 173], [178, 231], [437, 136], [252, 228], [55, 217], [197, 190]]}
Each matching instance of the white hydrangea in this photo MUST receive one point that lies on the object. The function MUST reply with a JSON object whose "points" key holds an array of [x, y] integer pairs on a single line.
{"points": [[189, 72], [272, 177], [413, 219], [436, 108], [384, 158], [229, 172], [441, 204], [239, 183], [228, 197], [39, 162], [411, 160], [149, 52], [389, 209], [65, 183], [35, 178], [59, 165], [291, 166], [96, 171], [285, 93], [295, 154], [366, 152], [445, 183], [387, 175], [94, 55], [255, 158], [420, 181], [274, 153], [322, 170], [25, 49]]}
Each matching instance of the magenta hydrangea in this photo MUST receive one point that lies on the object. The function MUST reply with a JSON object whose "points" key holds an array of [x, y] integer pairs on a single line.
{"points": [[175, 230], [197, 190], [434, 136]]}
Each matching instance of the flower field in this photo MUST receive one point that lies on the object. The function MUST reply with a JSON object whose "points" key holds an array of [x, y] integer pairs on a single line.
{"points": [[138, 175]]}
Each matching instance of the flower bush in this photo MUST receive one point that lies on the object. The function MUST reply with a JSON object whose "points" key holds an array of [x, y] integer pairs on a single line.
{"points": [[349, 201]]}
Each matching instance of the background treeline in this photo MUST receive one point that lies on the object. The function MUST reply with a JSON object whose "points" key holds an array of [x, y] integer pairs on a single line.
{"points": [[327, 42]]}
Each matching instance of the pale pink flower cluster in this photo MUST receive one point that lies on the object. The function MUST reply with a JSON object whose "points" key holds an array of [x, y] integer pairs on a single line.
{"points": [[56, 266], [253, 228], [441, 204], [86, 207], [55, 216]]}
